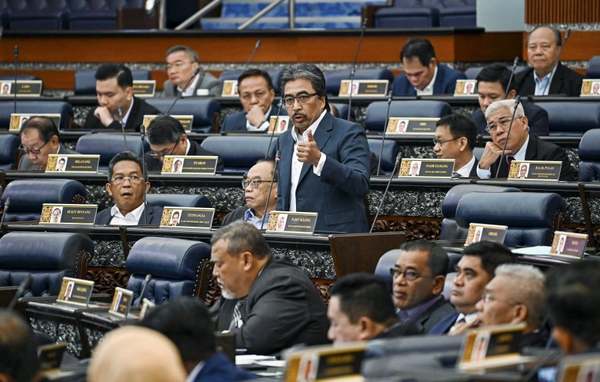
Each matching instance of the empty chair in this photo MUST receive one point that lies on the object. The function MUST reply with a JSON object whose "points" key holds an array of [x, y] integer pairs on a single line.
{"points": [[388, 155], [239, 153], [9, 145], [108, 145], [46, 256], [178, 200], [572, 118], [65, 110], [472, 72], [25, 197], [176, 267], [204, 110], [29, 15], [341, 111], [589, 155], [92, 14], [400, 17], [531, 217], [458, 17], [593, 70], [333, 78], [85, 80], [377, 111]]}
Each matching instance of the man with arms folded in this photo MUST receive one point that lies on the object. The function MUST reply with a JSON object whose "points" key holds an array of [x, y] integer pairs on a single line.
{"points": [[39, 138], [455, 138], [324, 165], [186, 77], [521, 145], [278, 306]]}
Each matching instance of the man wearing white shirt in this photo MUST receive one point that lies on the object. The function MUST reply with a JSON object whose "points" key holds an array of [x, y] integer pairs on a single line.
{"points": [[186, 77], [323, 161], [455, 137]]}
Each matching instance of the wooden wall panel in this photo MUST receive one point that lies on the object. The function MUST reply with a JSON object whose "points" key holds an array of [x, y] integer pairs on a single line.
{"points": [[562, 11]]}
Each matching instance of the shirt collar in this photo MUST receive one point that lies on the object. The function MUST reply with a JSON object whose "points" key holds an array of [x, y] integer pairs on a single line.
{"points": [[189, 91], [137, 213], [195, 371], [416, 311], [187, 146], [428, 90], [126, 116], [465, 170], [312, 128], [549, 75], [520, 155]]}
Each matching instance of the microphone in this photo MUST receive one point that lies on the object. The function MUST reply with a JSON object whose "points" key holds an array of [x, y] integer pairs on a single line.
{"points": [[512, 75], [16, 62], [253, 52], [145, 283], [23, 287], [180, 94], [387, 117], [279, 106], [387, 187], [353, 71], [120, 116], [143, 160], [262, 222], [4, 210], [512, 119]]}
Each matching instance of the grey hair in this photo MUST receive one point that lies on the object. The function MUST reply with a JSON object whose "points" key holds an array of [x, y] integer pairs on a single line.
{"points": [[183, 48], [309, 72], [240, 237], [508, 104], [527, 287]]}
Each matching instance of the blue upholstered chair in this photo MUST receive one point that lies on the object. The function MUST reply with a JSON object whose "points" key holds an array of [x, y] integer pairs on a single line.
{"points": [[531, 217], [204, 110], [97, 14], [593, 70], [449, 229], [342, 110], [572, 118], [176, 266], [377, 111], [458, 16], [178, 200], [239, 153], [9, 145], [46, 256], [85, 80], [333, 78], [589, 156], [108, 145], [27, 15], [26, 196], [388, 155], [472, 72], [386, 261], [42, 107], [274, 73], [401, 17]]}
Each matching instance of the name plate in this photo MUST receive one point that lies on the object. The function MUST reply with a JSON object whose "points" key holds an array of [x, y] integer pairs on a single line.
{"points": [[72, 163], [121, 302], [364, 88], [186, 120], [465, 88], [50, 356], [144, 88], [23, 88], [404, 126], [84, 214], [324, 363], [75, 291], [189, 165], [188, 217], [590, 88], [579, 368], [493, 343], [568, 244], [18, 119], [230, 88], [278, 124], [293, 222], [486, 232], [535, 170], [429, 168]]}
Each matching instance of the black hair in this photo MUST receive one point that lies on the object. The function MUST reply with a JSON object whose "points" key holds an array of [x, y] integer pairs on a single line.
{"points": [[164, 129], [44, 125], [120, 72], [19, 359], [438, 258], [420, 48], [242, 236], [460, 126], [124, 156], [556, 32], [309, 72], [496, 73], [364, 295], [490, 254], [256, 73]]}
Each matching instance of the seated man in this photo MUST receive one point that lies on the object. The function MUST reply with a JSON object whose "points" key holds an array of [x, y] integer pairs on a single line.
{"points": [[39, 138], [418, 281], [455, 138], [118, 108], [423, 75], [18, 360], [256, 91], [259, 193], [513, 296], [127, 186], [573, 304], [187, 323], [474, 270], [361, 308], [278, 306], [186, 77], [491, 86], [546, 75], [167, 137], [520, 145]]}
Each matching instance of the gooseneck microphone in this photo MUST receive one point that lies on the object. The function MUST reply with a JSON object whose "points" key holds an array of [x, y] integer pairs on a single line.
{"points": [[16, 74], [145, 283], [273, 177], [4, 211], [512, 119], [24, 286], [387, 118], [144, 174], [272, 134], [387, 187], [253, 52], [353, 70], [513, 70], [180, 94]]}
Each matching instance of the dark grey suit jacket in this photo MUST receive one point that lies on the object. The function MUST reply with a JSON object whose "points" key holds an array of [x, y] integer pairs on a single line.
{"points": [[26, 165], [206, 81], [234, 215], [565, 81], [428, 319]]}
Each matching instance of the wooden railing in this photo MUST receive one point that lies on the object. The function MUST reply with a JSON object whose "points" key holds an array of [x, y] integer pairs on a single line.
{"points": [[562, 11]]}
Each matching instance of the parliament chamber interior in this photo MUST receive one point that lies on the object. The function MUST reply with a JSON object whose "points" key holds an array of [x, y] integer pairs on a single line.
{"points": [[299, 190]]}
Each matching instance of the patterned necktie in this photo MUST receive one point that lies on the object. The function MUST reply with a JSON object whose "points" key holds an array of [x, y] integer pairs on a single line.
{"points": [[509, 160], [236, 317]]}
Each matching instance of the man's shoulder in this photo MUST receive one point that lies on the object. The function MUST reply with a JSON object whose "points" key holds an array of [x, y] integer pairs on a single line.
{"points": [[103, 217], [567, 72], [234, 215]]}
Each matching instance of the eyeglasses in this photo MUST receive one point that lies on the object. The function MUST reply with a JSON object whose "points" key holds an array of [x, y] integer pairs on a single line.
{"points": [[409, 274], [302, 99], [160, 154], [31, 150], [502, 122], [253, 183], [120, 179], [441, 142]]}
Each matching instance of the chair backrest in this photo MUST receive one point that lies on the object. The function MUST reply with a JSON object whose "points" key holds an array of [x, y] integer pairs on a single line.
{"points": [[375, 119], [37, 107], [174, 264], [333, 78], [274, 73], [204, 110], [46, 256], [387, 261], [589, 156], [472, 72], [178, 200], [108, 145], [85, 80], [593, 70], [450, 229], [9, 145], [388, 155], [26, 196], [342, 110], [572, 118], [531, 217], [239, 153]]}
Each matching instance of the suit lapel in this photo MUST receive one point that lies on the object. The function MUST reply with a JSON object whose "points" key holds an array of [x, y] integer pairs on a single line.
{"points": [[557, 81], [531, 151], [439, 81], [321, 137]]}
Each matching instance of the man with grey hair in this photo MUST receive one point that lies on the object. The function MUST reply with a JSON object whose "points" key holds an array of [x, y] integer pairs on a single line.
{"points": [[186, 78], [324, 161], [519, 144], [277, 304]]}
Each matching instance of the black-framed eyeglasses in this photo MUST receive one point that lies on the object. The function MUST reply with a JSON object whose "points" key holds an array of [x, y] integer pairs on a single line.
{"points": [[441, 141], [408, 274], [301, 98], [159, 155], [253, 183], [30, 150], [133, 179]]}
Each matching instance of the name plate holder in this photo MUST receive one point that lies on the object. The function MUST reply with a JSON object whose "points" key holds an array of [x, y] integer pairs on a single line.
{"points": [[569, 244], [547, 171], [278, 123], [363, 88], [230, 89], [465, 88], [326, 363], [187, 217], [486, 232], [579, 368], [72, 163], [23, 88], [121, 303], [411, 127], [426, 168], [189, 165], [186, 120], [18, 119], [79, 214], [590, 88], [75, 291], [144, 88], [292, 222]]}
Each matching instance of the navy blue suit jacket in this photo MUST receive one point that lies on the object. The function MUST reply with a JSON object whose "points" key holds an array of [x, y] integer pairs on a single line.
{"points": [[338, 194], [445, 82], [150, 216], [218, 368], [237, 121], [444, 325]]}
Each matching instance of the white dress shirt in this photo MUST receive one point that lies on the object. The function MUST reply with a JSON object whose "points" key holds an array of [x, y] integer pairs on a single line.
{"points": [[428, 90], [465, 170], [126, 116], [131, 218], [519, 155], [189, 91], [263, 126]]}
